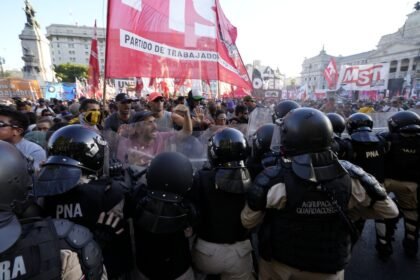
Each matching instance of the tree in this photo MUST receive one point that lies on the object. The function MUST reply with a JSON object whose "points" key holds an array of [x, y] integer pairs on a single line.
{"points": [[69, 72]]}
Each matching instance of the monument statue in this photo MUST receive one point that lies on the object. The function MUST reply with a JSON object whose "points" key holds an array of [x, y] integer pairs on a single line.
{"points": [[417, 6], [35, 50], [30, 14]]}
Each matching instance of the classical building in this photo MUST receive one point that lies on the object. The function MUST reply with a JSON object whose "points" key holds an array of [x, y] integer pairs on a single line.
{"points": [[401, 49], [71, 44]]}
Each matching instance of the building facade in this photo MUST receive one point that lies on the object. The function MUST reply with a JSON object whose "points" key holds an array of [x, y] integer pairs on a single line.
{"points": [[400, 49], [71, 44]]}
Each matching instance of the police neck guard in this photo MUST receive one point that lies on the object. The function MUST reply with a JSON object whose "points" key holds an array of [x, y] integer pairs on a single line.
{"points": [[317, 167]]}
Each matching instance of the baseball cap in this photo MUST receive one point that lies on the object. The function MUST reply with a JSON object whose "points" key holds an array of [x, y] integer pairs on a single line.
{"points": [[140, 116], [196, 94], [249, 98], [121, 97], [154, 95]]}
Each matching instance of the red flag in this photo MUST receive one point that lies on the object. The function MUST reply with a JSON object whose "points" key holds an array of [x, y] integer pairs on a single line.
{"points": [[182, 39], [139, 86], [331, 73], [152, 82], [93, 71]]}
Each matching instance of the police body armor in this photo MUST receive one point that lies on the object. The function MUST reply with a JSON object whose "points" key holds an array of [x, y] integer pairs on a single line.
{"points": [[403, 159], [368, 151], [309, 233], [160, 221], [83, 204], [221, 198], [36, 254], [341, 147]]}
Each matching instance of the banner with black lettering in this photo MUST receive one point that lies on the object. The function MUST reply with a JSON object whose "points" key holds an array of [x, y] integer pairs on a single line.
{"points": [[364, 77], [184, 39]]}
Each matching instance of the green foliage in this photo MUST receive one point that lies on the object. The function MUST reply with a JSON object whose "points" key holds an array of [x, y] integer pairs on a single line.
{"points": [[69, 72]]}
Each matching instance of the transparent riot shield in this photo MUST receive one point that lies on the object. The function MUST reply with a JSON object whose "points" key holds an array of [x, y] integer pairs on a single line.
{"points": [[257, 118], [276, 140], [380, 120]]}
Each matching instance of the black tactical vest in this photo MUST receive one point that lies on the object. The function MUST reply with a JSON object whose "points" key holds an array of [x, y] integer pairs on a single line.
{"points": [[83, 205], [220, 210], [368, 152], [36, 254], [403, 159], [162, 250], [309, 234]]}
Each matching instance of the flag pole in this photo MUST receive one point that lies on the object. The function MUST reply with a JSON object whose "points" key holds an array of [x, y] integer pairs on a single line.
{"points": [[106, 56]]}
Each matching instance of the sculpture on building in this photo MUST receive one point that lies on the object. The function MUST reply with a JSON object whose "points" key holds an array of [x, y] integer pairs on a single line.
{"points": [[417, 6]]}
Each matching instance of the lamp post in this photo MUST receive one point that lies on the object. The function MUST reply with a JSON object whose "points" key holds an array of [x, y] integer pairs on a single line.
{"points": [[2, 61]]}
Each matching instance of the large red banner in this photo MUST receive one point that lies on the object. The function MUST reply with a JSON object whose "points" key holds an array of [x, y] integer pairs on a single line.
{"points": [[186, 39]]}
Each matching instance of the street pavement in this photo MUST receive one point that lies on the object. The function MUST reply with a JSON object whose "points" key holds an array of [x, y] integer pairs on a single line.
{"points": [[366, 265]]}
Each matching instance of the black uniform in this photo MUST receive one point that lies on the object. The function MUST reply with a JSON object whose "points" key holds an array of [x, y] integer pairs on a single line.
{"points": [[219, 193], [367, 150], [309, 234], [30, 248], [305, 200], [220, 197], [402, 168], [36, 253], [161, 214], [83, 204], [162, 249]]}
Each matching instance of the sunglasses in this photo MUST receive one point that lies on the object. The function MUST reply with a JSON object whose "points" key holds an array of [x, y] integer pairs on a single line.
{"points": [[159, 100], [3, 124]]}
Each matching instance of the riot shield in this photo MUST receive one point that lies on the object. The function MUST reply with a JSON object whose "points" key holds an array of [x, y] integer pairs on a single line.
{"points": [[258, 117], [135, 145]]}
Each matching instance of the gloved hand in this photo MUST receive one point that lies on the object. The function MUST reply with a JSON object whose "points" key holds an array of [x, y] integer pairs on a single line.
{"points": [[106, 230], [115, 168]]}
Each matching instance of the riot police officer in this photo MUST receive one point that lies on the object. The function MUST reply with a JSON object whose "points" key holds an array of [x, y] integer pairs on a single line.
{"points": [[261, 155], [367, 149], [280, 111], [73, 186], [223, 246], [402, 177], [284, 107], [163, 219], [339, 145], [305, 204], [33, 248]]}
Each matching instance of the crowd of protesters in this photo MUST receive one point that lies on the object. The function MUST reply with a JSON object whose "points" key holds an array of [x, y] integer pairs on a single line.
{"points": [[140, 130]]}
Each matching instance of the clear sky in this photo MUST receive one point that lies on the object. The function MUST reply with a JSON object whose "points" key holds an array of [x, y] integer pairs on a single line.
{"points": [[280, 33]]}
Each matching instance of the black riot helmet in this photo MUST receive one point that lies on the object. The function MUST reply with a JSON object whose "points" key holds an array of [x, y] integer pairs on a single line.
{"points": [[14, 185], [359, 122], [404, 122], [305, 130], [14, 176], [284, 107], [170, 172], [262, 139], [228, 147], [82, 144], [338, 123]]}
